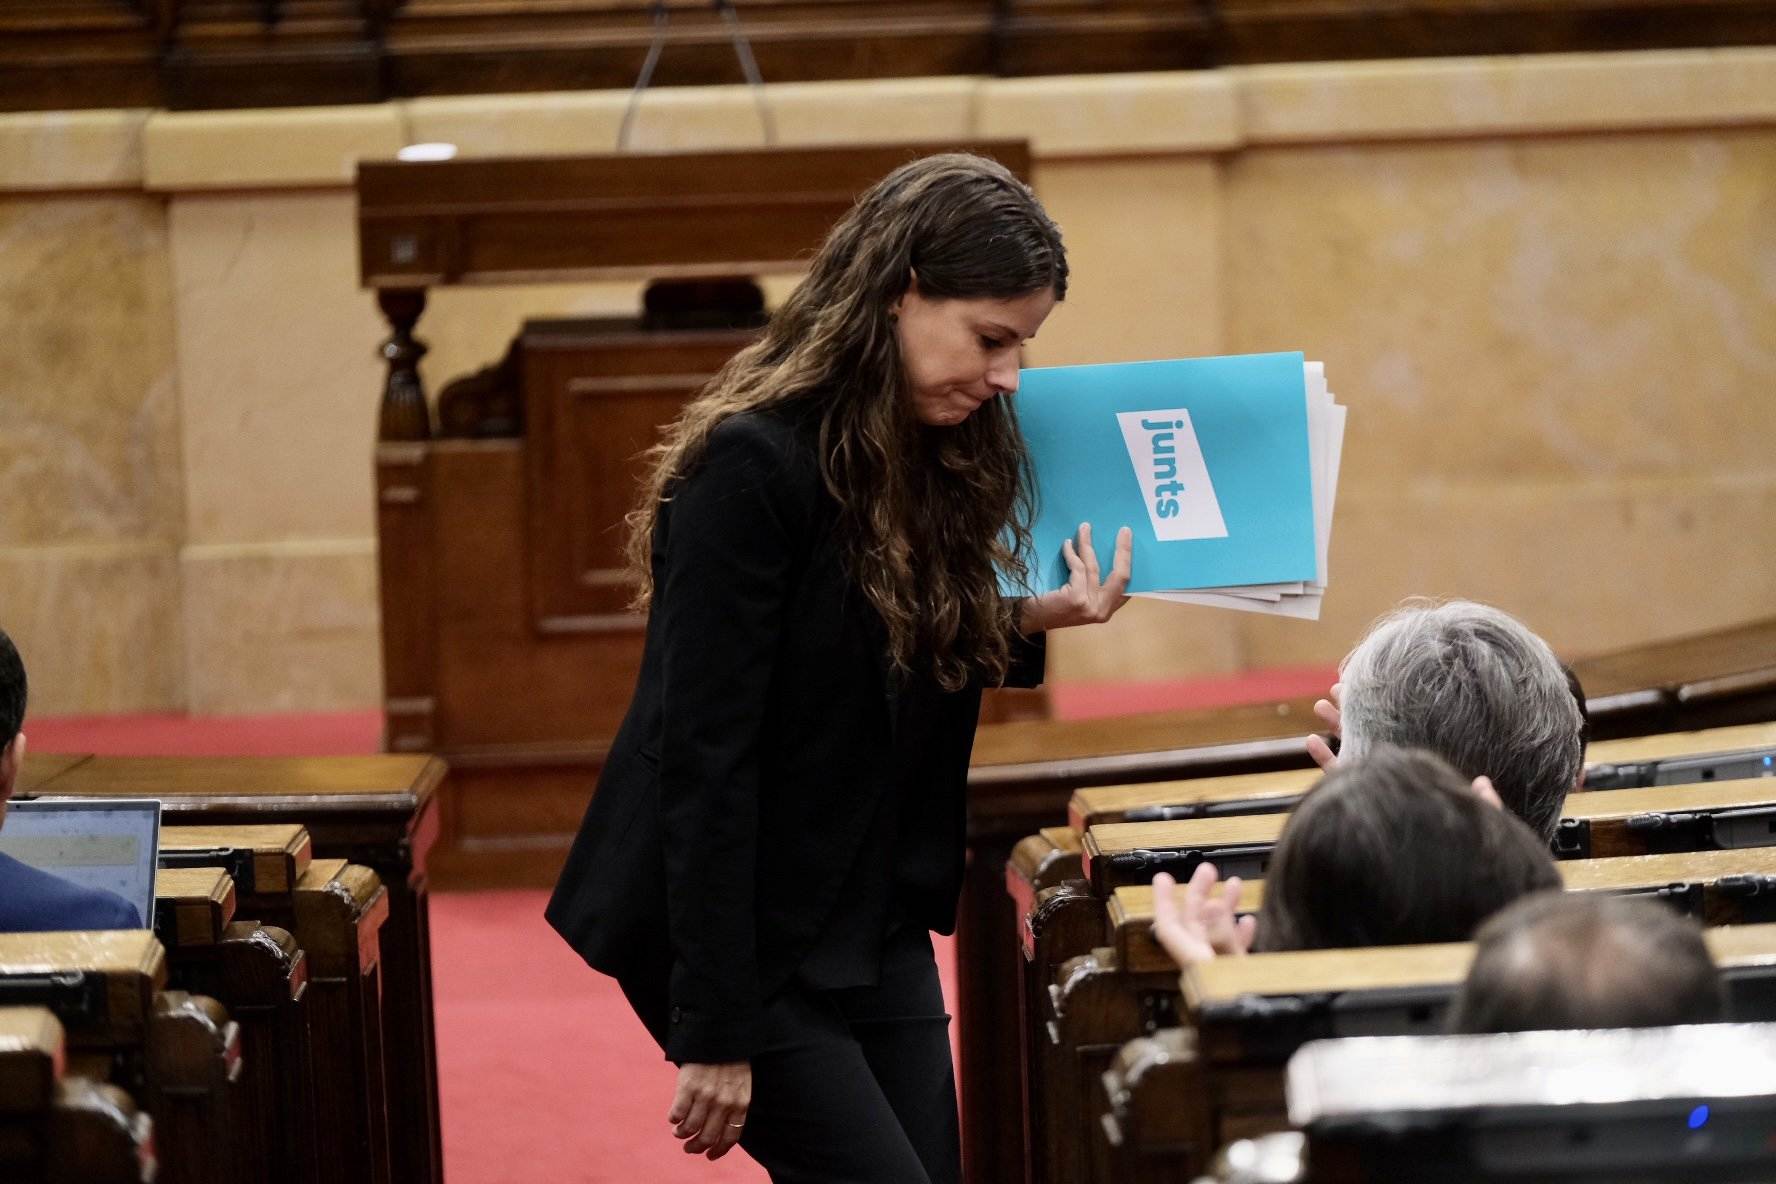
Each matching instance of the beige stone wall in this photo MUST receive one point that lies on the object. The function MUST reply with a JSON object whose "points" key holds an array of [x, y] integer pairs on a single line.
{"points": [[1546, 288]]}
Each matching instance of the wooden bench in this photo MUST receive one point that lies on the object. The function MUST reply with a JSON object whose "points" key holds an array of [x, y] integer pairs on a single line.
{"points": [[1024, 773], [1674, 758], [1633, 763], [1721, 814], [1063, 918], [380, 812], [1715, 887], [335, 911], [1172, 1097], [58, 1128], [1112, 994], [178, 1053], [260, 974]]}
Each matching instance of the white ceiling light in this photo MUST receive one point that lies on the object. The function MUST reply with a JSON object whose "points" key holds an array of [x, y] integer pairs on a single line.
{"points": [[427, 152]]}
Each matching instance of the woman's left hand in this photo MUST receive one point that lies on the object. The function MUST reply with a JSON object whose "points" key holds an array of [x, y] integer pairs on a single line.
{"points": [[1087, 599]]}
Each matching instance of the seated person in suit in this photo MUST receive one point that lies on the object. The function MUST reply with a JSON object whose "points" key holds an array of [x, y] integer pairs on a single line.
{"points": [[32, 900], [1394, 848], [1562, 961], [1476, 687]]}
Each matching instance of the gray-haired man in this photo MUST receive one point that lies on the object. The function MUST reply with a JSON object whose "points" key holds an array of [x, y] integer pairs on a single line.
{"points": [[1475, 686]]}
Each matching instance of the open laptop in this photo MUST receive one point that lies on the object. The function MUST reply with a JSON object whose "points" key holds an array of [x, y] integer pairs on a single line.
{"points": [[108, 843]]}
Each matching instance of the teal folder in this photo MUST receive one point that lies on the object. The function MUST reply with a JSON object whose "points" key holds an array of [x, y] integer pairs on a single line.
{"points": [[1207, 460]]}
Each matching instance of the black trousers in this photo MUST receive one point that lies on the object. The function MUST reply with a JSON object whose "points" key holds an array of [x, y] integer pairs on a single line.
{"points": [[855, 1086]]}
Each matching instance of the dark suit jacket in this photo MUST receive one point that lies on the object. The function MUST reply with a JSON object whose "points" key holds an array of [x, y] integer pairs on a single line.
{"points": [[757, 745], [34, 901]]}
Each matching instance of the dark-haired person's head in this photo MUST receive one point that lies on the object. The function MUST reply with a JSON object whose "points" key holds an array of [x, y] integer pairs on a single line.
{"points": [[1473, 685], [12, 718], [1561, 960], [1395, 848]]}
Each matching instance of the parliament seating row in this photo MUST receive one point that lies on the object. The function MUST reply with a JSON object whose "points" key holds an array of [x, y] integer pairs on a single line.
{"points": [[1022, 775], [370, 824], [1721, 814], [1056, 855], [293, 1088], [1114, 993], [1672, 758], [1094, 976], [1647, 1105], [1171, 1097], [177, 1054], [56, 1125]]}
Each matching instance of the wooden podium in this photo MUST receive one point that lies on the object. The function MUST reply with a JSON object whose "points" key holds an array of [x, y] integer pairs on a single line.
{"points": [[508, 646]]}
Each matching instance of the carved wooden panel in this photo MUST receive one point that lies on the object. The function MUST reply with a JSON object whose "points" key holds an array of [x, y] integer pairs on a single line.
{"points": [[596, 395]]}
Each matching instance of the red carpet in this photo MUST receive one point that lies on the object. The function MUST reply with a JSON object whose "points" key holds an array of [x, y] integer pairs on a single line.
{"points": [[544, 1073]]}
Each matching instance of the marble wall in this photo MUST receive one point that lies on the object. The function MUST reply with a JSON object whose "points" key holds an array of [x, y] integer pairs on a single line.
{"points": [[91, 483], [1546, 288]]}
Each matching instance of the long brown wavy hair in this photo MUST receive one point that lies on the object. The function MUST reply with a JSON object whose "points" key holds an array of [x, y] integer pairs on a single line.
{"points": [[930, 517]]}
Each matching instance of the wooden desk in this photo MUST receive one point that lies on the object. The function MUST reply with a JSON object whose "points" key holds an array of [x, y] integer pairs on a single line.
{"points": [[1025, 773], [179, 1052], [1716, 887], [1120, 853], [261, 975], [1253, 793], [1447, 1109], [1594, 825], [1177, 1095], [31, 1059], [1668, 818], [1703, 680], [336, 1084], [59, 1128], [264, 859], [41, 768], [192, 906], [1245, 793], [1665, 745], [381, 812]]}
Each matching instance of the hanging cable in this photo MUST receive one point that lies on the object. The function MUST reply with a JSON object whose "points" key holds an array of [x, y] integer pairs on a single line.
{"points": [[748, 67], [646, 76], [742, 50]]}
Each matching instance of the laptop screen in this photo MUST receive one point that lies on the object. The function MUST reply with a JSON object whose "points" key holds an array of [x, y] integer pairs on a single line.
{"points": [[109, 844]]}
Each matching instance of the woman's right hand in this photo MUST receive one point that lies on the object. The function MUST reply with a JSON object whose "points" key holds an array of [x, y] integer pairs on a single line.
{"points": [[709, 1107]]}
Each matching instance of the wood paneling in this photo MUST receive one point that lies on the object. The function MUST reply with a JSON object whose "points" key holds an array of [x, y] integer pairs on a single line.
{"points": [[234, 53], [595, 397]]}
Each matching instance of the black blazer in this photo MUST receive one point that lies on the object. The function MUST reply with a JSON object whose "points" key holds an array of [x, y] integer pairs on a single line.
{"points": [[755, 751]]}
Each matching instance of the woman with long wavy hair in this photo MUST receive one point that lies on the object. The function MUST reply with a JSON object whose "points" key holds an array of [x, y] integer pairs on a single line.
{"points": [[779, 824]]}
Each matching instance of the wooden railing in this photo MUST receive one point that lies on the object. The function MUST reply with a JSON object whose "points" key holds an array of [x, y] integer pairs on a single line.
{"points": [[187, 54]]}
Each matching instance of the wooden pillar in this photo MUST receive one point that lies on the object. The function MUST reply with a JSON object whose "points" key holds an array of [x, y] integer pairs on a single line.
{"points": [[404, 414]]}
